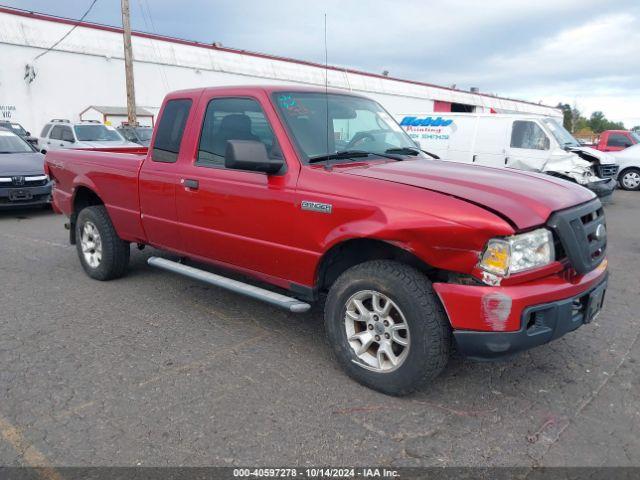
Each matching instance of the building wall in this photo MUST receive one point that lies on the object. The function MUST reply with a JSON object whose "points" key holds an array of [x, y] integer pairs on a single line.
{"points": [[87, 68]]}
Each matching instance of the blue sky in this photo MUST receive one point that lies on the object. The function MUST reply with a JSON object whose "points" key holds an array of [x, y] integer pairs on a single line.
{"points": [[585, 52]]}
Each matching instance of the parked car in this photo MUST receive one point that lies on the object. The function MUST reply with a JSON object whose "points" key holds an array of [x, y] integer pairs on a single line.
{"points": [[409, 251], [20, 131], [629, 161], [139, 135], [616, 140], [518, 141], [23, 182], [60, 134]]}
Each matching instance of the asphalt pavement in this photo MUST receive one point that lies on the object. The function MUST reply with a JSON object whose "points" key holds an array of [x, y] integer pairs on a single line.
{"points": [[156, 369]]}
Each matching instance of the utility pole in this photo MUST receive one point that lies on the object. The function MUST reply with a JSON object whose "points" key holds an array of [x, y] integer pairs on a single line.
{"points": [[128, 64]]}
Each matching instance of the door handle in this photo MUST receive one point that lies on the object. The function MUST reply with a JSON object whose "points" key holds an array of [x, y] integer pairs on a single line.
{"points": [[506, 159], [473, 159], [189, 183]]}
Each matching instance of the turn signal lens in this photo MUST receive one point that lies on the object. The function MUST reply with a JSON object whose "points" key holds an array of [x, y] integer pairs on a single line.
{"points": [[495, 258]]}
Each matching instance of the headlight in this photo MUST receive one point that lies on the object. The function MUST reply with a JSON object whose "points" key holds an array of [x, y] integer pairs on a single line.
{"points": [[504, 256]]}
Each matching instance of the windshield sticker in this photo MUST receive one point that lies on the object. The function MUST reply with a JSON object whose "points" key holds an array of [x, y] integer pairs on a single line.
{"points": [[291, 106]]}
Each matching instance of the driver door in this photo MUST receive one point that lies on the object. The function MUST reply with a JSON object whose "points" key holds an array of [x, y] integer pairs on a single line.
{"points": [[235, 217]]}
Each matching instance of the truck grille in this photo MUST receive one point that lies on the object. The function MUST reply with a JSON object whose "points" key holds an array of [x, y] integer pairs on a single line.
{"points": [[607, 171], [582, 233]]}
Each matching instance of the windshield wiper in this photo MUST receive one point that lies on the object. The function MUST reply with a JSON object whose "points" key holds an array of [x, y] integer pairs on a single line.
{"points": [[348, 155], [411, 151]]}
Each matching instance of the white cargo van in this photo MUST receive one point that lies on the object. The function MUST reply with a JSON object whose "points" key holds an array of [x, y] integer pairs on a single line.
{"points": [[525, 142]]}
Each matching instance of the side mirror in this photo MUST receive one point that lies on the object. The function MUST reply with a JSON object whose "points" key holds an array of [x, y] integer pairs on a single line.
{"points": [[250, 155], [28, 134]]}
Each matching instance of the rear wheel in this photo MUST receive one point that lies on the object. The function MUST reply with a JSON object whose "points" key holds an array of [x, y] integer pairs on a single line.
{"points": [[103, 255], [386, 327], [630, 179]]}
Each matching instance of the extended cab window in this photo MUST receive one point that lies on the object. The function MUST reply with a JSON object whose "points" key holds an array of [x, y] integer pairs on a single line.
{"points": [[232, 119], [526, 134], [170, 130], [618, 140]]}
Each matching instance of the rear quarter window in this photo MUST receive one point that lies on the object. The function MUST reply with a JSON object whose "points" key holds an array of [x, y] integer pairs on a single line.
{"points": [[56, 133], [45, 130], [170, 130]]}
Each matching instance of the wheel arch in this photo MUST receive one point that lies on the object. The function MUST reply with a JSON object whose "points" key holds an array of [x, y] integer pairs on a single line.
{"points": [[83, 196], [354, 251]]}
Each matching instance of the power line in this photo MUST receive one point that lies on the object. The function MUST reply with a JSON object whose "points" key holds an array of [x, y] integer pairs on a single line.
{"points": [[155, 48], [69, 32]]}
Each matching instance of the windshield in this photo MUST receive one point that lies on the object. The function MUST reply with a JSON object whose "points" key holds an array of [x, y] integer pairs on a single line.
{"points": [[144, 134], [561, 134], [96, 133], [355, 123], [12, 143], [16, 127]]}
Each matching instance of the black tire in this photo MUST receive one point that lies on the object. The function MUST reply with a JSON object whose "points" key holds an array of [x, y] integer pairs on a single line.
{"points": [[627, 171], [115, 252], [430, 332]]}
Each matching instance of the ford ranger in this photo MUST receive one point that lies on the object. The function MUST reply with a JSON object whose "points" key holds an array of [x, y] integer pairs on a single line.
{"points": [[323, 196]]}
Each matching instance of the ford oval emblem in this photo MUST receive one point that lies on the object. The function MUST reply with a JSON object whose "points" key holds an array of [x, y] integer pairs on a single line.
{"points": [[601, 232]]}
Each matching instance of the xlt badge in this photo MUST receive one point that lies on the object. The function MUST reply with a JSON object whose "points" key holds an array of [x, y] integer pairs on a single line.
{"points": [[316, 206]]}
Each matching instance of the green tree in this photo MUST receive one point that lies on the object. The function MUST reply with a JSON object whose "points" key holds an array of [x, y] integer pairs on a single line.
{"points": [[567, 115], [599, 123], [596, 121]]}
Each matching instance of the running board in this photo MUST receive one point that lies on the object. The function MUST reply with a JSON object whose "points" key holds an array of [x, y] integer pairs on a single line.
{"points": [[282, 301]]}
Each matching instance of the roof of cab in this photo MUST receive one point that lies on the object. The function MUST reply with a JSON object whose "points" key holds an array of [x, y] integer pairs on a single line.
{"points": [[268, 89]]}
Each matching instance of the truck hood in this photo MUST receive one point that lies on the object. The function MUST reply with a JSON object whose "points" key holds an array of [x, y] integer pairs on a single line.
{"points": [[591, 154], [526, 199], [21, 164]]}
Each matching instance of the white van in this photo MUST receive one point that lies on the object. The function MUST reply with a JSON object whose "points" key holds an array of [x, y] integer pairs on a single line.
{"points": [[525, 142]]}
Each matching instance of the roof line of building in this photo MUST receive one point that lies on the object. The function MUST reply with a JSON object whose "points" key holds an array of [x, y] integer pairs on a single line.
{"points": [[193, 43]]}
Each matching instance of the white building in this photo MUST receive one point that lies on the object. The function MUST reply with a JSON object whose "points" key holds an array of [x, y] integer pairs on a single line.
{"points": [[87, 68]]}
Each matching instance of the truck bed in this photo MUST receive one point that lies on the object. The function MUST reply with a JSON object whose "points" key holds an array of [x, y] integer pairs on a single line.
{"points": [[110, 172]]}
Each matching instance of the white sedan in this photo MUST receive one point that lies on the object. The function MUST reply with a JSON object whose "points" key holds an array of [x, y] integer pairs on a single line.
{"points": [[629, 161]]}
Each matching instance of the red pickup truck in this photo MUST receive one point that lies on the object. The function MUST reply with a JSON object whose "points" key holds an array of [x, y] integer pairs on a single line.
{"points": [[323, 195], [616, 140]]}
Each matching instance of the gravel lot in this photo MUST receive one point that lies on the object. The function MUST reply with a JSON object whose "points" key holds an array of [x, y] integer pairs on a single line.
{"points": [[155, 369]]}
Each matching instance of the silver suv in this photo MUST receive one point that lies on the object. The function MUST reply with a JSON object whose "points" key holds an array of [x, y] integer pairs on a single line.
{"points": [[59, 133]]}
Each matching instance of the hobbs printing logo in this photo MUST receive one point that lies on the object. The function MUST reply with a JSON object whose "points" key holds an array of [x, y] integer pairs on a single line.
{"points": [[425, 122]]}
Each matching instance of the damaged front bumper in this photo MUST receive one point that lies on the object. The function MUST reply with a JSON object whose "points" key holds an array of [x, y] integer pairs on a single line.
{"points": [[603, 188], [493, 322]]}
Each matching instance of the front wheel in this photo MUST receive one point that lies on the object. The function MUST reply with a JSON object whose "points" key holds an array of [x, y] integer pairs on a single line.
{"points": [[386, 327], [103, 255], [630, 179]]}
